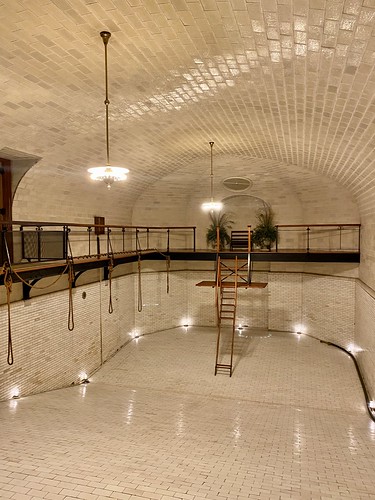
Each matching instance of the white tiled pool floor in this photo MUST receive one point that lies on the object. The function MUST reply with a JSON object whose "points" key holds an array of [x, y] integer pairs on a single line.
{"points": [[155, 423]]}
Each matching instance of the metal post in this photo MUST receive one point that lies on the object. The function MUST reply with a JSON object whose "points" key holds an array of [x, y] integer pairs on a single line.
{"points": [[38, 230], [308, 239], [123, 239], [340, 227], [194, 237], [217, 239], [65, 243], [248, 254], [148, 238], [359, 238], [89, 229], [22, 242], [168, 240], [98, 245], [277, 238]]}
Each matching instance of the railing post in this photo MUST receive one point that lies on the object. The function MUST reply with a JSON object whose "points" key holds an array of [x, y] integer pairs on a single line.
{"points": [[248, 254], [168, 240], [148, 238], [194, 247], [38, 230], [22, 242], [359, 238], [308, 239], [89, 229], [340, 227], [98, 245], [65, 243], [248, 238], [277, 239], [123, 239], [217, 239]]}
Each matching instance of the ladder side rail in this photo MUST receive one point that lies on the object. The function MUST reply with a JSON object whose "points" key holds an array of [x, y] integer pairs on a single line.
{"points": [[218, 290], [234, 315], [249, 255]]}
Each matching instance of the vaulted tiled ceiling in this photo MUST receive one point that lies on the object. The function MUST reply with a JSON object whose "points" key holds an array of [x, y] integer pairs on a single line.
{"points": [[289, 81]]}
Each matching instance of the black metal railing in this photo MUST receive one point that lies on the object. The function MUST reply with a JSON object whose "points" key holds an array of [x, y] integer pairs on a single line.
{"points": [[45, 241], [318, 237]]}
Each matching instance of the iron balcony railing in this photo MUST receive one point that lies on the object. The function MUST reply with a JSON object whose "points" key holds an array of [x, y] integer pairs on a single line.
{"points": [[43, 241], [27, 241]]}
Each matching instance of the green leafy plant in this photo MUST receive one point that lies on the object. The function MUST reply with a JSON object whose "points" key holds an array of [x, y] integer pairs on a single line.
{"points": [[224, 222], [265, 233]]}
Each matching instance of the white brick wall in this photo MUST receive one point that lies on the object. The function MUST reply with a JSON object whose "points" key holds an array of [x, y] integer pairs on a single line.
{"points": [[48, 356], [285, 305], [364, 342], [328, 308]]}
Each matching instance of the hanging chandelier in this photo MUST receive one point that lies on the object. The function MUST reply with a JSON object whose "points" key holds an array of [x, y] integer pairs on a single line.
{"points": [[107, 173], [212, 206]]}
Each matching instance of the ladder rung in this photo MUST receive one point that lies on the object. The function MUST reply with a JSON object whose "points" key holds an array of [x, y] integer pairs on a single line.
{"points": [[228, 367]]}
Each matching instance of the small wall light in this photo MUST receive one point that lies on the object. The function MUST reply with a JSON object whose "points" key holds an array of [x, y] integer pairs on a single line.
{"points": [[15, 393], [299, 329], [84, 378], [186, 322], [371, 405], [353, 348]]}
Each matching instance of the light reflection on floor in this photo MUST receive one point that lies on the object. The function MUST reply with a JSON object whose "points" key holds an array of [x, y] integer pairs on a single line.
{"points": [[156, 423]]}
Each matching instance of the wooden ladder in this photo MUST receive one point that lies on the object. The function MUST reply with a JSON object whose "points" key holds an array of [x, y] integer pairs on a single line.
{"points": [[226, 303]]}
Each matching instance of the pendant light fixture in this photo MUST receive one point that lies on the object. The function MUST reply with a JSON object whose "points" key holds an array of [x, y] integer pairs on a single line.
{"points": [[107, 173], [212, 206]]}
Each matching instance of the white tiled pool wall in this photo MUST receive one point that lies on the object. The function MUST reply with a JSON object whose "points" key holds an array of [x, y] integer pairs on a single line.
{"points": [[48, 356]]}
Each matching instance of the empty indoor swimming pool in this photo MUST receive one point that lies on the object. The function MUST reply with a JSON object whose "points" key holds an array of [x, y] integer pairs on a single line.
{"points": [[155, 423]]}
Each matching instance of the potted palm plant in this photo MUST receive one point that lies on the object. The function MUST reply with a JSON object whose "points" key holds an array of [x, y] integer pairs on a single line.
{"points": [[222, 221], [265, 233]]}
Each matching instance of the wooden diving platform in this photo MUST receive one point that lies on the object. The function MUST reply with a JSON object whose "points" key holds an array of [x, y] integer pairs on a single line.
{"points": [[230, 284]]}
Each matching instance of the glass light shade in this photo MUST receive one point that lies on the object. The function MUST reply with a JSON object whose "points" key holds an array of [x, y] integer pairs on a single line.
{"points": [[210, 206], [108, 174]]}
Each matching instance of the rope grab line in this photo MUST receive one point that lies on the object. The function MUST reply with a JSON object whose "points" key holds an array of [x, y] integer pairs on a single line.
{"points": [[168, 265], [8, 285], [110, 270], [7, 271], [71, 278]]}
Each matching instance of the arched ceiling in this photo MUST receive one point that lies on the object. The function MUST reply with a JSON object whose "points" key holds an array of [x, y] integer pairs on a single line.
{"points": [[292, 82]]}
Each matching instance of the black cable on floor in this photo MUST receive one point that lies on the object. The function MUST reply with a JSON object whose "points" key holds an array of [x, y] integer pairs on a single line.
{"points": [[371, 413]]}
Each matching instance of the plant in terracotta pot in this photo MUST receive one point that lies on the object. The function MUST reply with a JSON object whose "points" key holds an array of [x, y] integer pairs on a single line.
{"points": [[265, 233], [223, 221]]}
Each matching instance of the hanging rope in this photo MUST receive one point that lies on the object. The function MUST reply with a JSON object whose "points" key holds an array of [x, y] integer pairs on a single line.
{"points": [[8, 285], [40, 287], [139, 284], [168, 265], [71, 310], [110, 270]]}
